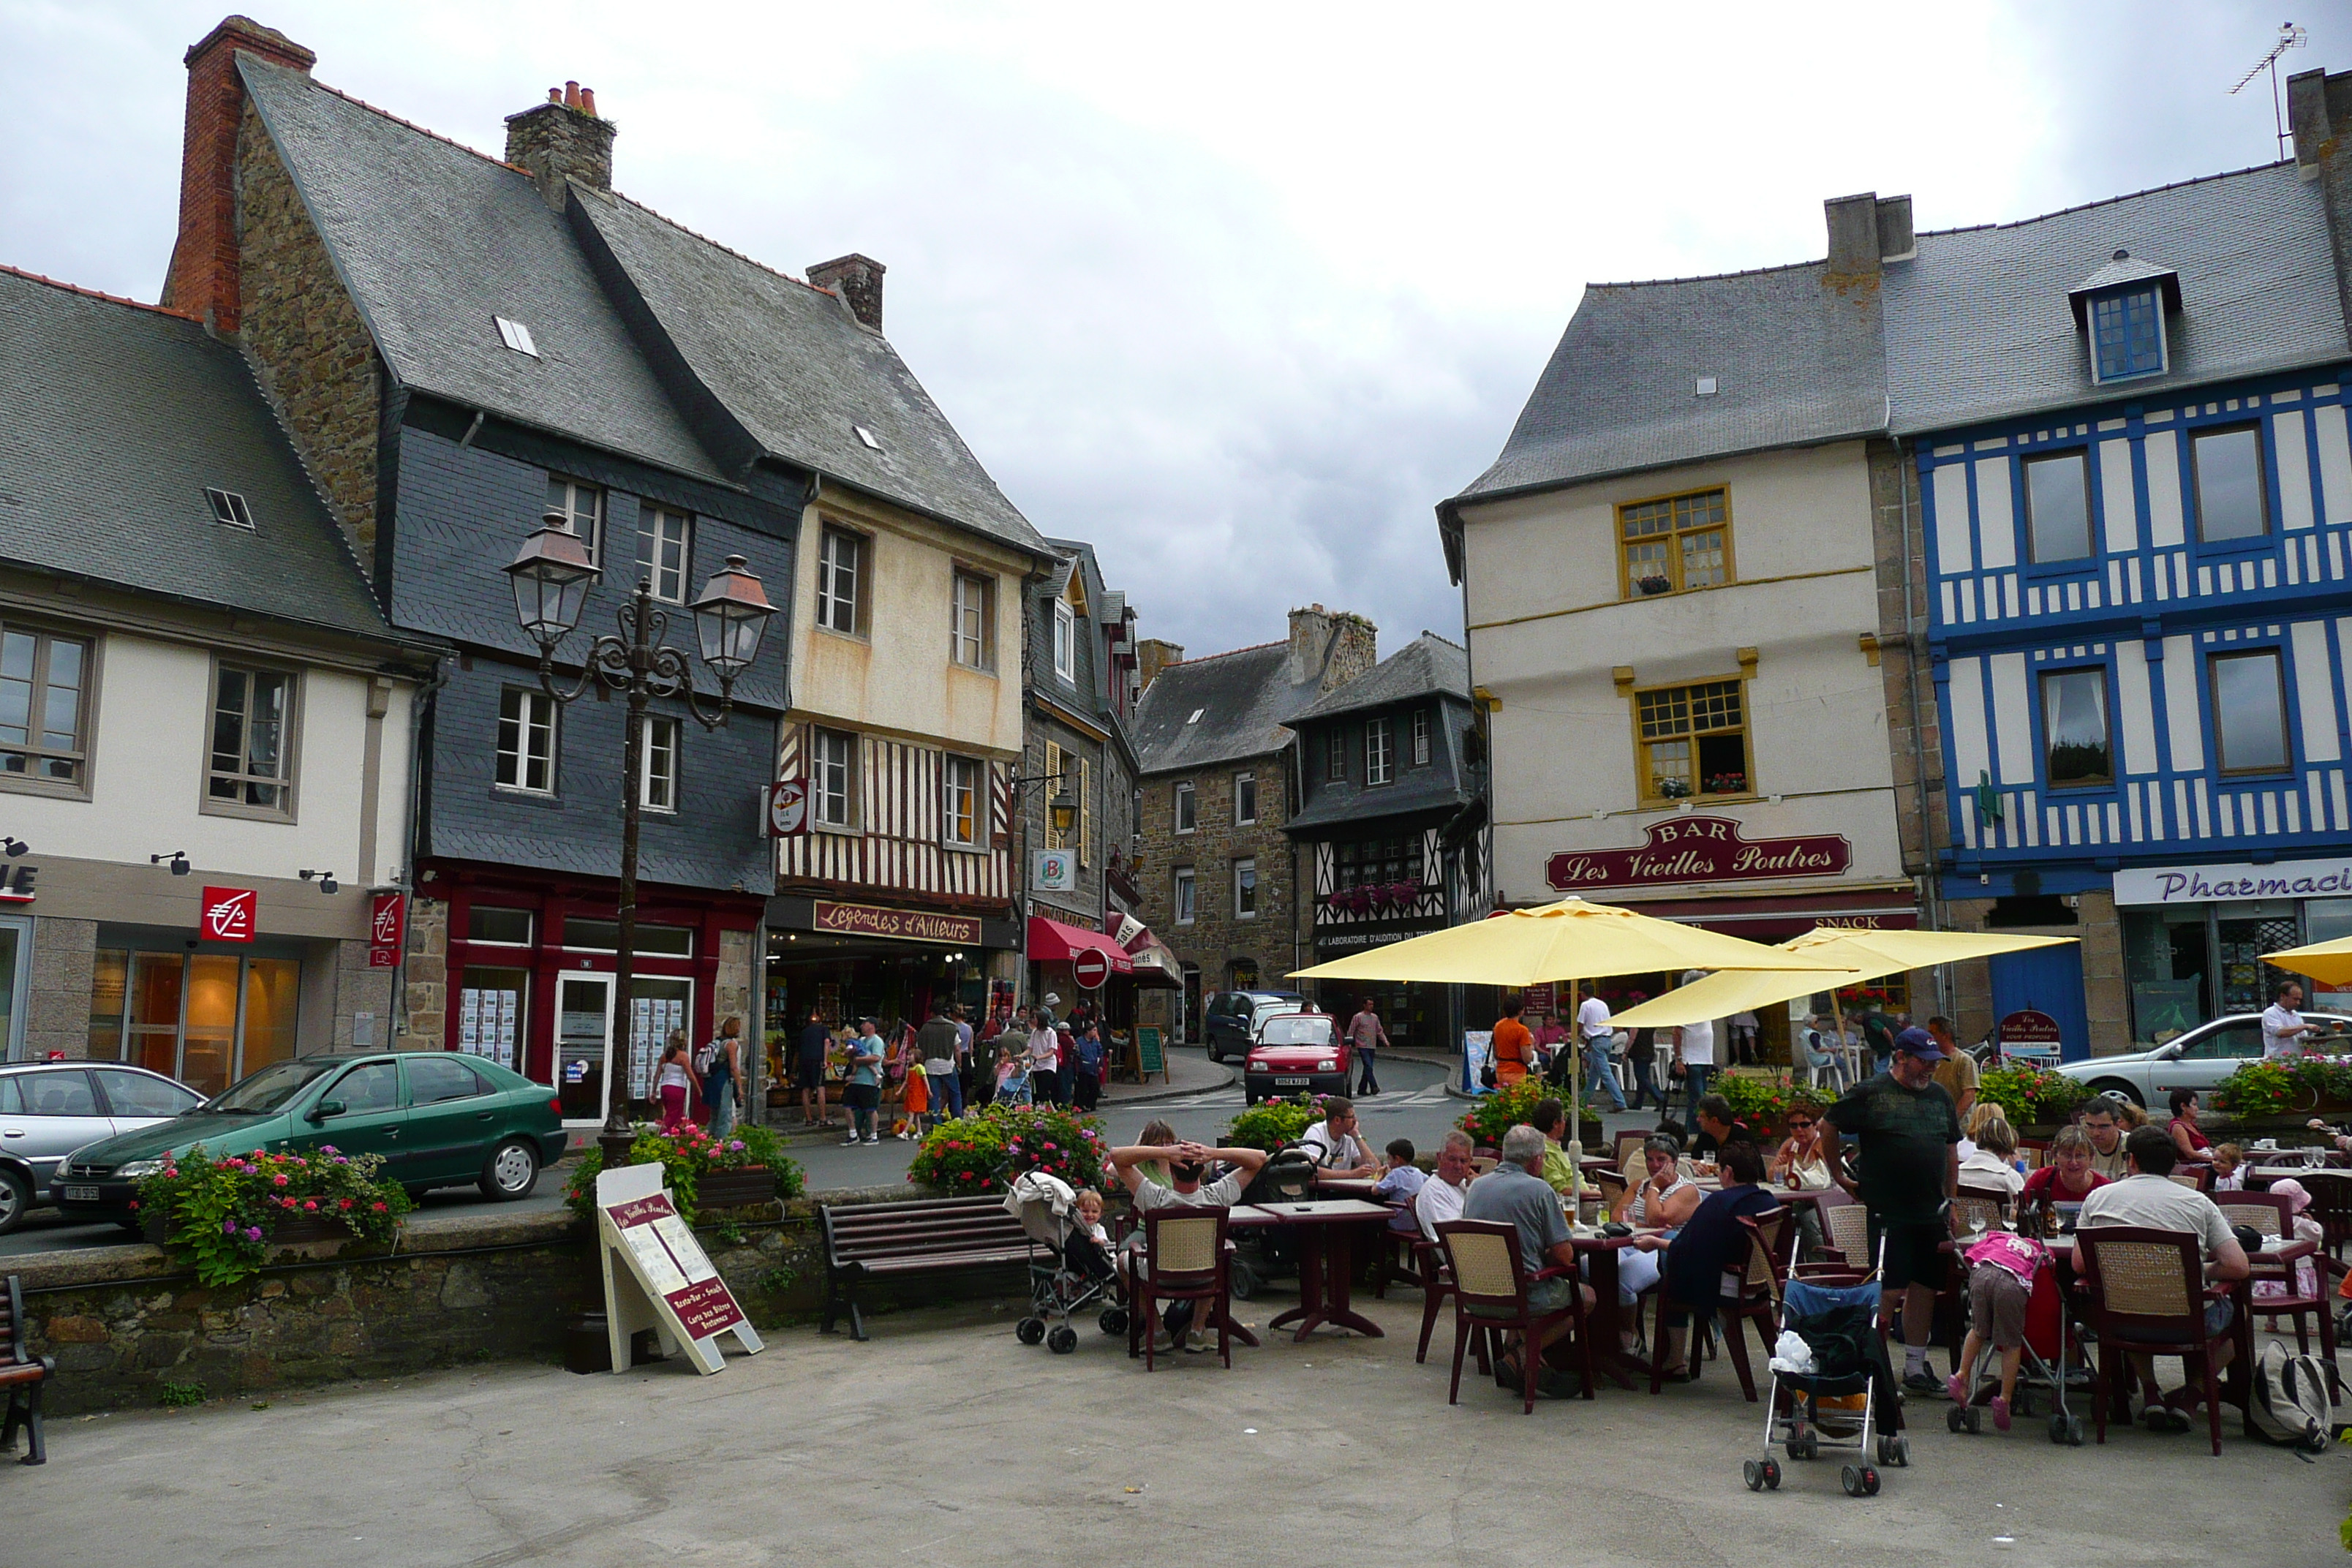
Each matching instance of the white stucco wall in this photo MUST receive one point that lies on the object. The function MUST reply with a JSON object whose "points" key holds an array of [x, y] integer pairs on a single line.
{"points": [[1548, 629]]}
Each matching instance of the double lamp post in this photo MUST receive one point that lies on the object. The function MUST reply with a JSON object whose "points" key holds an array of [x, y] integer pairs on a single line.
{"points": [[551, 575]]}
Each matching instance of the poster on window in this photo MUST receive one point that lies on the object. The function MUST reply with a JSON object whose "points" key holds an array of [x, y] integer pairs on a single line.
{"points": [[469, 1019], [509, 1015]]}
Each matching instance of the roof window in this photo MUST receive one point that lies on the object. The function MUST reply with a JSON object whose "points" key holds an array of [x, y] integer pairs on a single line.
{"points": [[2121, 309], [516, 336], [1705, 386], [229, 508], [867, 437], [1196, 715]]}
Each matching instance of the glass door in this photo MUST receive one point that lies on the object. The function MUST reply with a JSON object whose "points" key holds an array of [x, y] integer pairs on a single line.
{"points": [[205, 1018], [583, 1044], [154, 1028], [208, 1042], [16, 944]]}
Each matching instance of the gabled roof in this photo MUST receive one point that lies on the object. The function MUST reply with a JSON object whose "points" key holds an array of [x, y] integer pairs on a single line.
{"points": [[1090, 692], [115, 419], [1245, 697], [2123, 270], [1794, 356], [434, 242], [1981, 325], [1425, 665]]}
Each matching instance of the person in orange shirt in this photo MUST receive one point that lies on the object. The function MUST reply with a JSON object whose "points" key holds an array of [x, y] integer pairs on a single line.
{"points": [[1513, 1046]]}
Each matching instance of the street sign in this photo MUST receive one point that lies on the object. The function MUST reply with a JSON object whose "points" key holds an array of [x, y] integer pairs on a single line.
{"points": [[1053, 871], [784, 804], [1089, 966], [665, 1281], [229, 914], [387, 913]]}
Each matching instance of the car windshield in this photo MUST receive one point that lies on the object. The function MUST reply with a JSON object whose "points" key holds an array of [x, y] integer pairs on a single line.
{"points": [[1298, 1029], [271, 1087]]}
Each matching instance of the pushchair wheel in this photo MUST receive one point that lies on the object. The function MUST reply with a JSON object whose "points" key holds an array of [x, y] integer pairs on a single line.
{"points": [[1955, 1420], [1813, 1445], [1112, 1320], [1062, 1341], [1753, 1473], [1771, 1469], [1898, 1449], [1859, 1481], [1030, 1330], [2065, 1430], [1974, 1417]]}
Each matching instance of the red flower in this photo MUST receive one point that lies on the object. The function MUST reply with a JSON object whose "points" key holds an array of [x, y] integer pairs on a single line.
{"points": [[309, 1207], [379, 1208], [345, 1204], [278, 1180]]}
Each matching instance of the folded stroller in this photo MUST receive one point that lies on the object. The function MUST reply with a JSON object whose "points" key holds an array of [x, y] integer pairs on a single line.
{"points": [[1069, 1271], [1836, 1389]]}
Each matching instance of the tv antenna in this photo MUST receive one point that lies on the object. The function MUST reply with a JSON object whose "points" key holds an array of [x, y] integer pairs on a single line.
{"points": [[2290, 38]]}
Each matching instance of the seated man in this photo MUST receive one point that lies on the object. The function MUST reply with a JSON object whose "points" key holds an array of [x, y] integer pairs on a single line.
{"points": [[1186, 1164], [1338, 1150], [1560, 1169], [1400, 1183], [1515, 1191], [1716, 1127], [2149, 1197], [1440, 1198], [2106, 1132]]}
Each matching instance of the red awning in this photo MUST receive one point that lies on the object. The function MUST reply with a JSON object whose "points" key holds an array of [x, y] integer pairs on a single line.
{"points": [[1051, 941]]}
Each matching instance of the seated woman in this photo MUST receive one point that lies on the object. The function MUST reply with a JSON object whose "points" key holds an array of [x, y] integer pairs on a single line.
{"points": [[1993, 1166], [2067, 1179], [1664, 1200], [1710, 1243], [2187, 1136]]}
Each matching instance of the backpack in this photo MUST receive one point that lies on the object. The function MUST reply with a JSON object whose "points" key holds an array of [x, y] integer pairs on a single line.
{"points": [[706, 1057], [2293, 1401]]}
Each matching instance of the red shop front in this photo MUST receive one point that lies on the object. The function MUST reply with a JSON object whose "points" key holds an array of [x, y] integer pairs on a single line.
{"points": [[531, 962]]}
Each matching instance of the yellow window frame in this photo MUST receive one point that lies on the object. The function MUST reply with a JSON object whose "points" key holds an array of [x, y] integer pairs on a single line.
{"points": [[1669, 521], [1662, 724]]}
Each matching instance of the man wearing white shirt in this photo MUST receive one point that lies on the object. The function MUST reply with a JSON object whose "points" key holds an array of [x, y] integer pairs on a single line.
{"points": [[1338, 1150], [1440, 1198], [1597, 1038], [1695, 1048], [2283, 1025]]}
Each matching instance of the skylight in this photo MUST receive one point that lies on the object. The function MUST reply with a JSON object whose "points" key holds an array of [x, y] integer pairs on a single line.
{"points": [[867, 437], [1705, 386], [516, 336], [229, 508], [1196, 715]]}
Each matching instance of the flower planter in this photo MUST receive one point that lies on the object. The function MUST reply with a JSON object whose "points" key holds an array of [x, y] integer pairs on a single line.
{"points": [[298, 1230], [735, 1189]]}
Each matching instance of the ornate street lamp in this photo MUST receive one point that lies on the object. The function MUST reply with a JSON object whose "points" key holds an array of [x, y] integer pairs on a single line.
{"points": [[551, 573]]}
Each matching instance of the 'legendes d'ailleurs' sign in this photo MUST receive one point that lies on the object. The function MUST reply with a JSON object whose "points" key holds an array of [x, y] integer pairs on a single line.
{"points": [[910, 925], [1699, 849]]}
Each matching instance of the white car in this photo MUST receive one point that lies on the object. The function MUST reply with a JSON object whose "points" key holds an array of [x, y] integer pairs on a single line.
{"points": [[2197, 1059], [48, 1110]]}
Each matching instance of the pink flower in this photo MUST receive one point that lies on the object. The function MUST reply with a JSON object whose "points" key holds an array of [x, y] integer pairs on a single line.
{"points": [[309, 1207], [252, 1233], [281, 1180]]}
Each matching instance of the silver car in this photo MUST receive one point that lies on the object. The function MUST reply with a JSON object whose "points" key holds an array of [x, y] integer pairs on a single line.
{"points": [[2197, 1059], [48, 1110]]}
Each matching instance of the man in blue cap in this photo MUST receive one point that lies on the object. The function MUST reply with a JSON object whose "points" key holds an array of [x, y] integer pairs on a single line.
{"points": [[1907, 1133]]}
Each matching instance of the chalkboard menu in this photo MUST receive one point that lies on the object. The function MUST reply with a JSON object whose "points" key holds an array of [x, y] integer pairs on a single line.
{"points": [[1152, 1057]]}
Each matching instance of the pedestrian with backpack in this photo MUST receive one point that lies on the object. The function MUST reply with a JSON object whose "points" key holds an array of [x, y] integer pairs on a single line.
{"points": [[719, 1064], [937, 1044]]}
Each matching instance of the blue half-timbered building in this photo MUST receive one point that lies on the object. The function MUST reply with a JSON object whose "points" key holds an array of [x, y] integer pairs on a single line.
{"points": [[2134, 500]]}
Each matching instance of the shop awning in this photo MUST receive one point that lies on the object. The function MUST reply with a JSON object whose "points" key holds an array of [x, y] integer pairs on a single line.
{"points": [[1051, 941], [1155, 965]]}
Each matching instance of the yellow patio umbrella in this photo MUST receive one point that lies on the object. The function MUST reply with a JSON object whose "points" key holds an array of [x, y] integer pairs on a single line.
{"points": [[2329, 962], [1860, 954]]}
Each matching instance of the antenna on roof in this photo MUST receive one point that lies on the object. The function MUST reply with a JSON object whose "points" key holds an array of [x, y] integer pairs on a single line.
{"points": [[2290, 38]]}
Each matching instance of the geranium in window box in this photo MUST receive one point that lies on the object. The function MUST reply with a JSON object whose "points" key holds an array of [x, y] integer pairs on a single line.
{"points": [[224, 1218], [1357, 900], [1727, 784], [1402, 896], [1654, 585], [1673, 789]]}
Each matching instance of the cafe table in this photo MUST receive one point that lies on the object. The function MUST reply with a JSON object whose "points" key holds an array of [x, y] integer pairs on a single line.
{"points": [[1326, 1229], [1604, 1323]]}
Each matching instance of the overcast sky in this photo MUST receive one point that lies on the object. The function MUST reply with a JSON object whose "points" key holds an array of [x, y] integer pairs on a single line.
{"points": [[1237, 292]]}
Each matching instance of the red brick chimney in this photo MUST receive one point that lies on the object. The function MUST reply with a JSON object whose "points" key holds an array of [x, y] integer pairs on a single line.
{"points": [[204, 276], [858, 280], [562, 140]]}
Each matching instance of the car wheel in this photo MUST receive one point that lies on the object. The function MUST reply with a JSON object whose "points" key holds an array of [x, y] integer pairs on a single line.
{"points": [[511, 1171], [2119, 1086], [15, 1198], [1216, 1052]]}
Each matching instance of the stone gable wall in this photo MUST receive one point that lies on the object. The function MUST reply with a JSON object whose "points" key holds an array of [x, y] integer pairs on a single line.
{"points": [[1216, 937]]}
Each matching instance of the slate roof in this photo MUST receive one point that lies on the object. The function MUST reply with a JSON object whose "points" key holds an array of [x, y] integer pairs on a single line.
{"points": [[1246, 697], [1979, 326], [115, 420], [1427, 664], [1796, 359], [1090, 693]]}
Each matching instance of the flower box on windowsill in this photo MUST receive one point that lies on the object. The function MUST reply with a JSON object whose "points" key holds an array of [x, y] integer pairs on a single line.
{"points": [[1653, 586]]}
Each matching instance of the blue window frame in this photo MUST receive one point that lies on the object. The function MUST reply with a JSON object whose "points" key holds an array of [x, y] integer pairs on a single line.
{"points": [[2127, 334]]}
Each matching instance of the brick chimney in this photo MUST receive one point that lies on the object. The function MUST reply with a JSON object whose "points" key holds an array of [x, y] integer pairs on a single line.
{"points": [[1330, 647], [562, 139], [204, 276], [1152, 656], [858, 280]]}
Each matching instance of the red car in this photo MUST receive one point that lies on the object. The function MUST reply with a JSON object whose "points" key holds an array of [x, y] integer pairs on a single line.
{"points": [[1298, 1053]]}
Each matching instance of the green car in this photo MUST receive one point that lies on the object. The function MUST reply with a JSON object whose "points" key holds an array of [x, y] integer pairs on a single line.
{"points": [[438, 1118]]}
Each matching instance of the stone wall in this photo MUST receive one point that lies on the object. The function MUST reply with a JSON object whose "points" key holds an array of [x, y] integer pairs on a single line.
{"points": [[1216, 937], [314, 356], [1899, 539], [64, 967], [426, 978]]}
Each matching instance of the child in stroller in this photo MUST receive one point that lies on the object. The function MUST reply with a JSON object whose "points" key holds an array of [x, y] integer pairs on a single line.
{"points": [[1069, 1264], [1011, 1077]]}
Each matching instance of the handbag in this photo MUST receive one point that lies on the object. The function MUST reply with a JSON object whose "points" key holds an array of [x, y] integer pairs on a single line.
{"points": [[1486, 1075], [1677, 1069]]}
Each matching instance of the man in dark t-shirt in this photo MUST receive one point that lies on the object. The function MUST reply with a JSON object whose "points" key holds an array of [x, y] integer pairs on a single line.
{"points": [[1907, 1135], [808, 1068]]}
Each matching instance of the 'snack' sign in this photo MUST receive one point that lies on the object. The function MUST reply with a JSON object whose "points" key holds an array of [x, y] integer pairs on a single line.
{"points": [[1698, 849]]}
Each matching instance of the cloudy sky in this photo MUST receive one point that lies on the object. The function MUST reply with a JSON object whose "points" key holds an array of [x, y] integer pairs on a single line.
{"points": [[1238, 292]]}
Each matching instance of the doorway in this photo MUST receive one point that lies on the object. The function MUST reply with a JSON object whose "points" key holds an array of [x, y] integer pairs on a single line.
{"points": [[2045, 980], [583, 1044]]}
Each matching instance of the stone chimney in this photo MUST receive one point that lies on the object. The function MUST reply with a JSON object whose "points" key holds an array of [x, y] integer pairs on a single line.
{"points": [[1151, 657], [562, 139], [1330, 647], [1866, 232], [204, 276], [2319, 107], [858, 280]]}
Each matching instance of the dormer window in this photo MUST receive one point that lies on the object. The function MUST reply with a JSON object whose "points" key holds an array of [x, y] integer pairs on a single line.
{"points": [[2121, 309]]}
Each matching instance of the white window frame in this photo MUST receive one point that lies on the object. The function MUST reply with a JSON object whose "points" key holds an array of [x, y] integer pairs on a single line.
{"points": [[1379, 750], [241, 778], [583, 506], [1185, 899], [1187, 808], [832, 800], [841, 582], [1065, 641], [1421, 737], [532, 716], [961, 802], [658, 529], [1245, 887], [972, 630], [657, 764], [1244, 783]]}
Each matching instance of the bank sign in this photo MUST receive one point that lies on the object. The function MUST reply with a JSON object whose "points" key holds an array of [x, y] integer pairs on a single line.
{"points": [[2216, 884], [1698, 849]]}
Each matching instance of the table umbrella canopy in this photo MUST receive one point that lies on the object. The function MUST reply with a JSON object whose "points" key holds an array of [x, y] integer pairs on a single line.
{"points": [[1570, 940], [1857, 956], [2329, 962]]}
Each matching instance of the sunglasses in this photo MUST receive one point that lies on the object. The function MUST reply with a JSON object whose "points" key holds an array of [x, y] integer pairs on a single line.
{"points": [[1795, 1126]]}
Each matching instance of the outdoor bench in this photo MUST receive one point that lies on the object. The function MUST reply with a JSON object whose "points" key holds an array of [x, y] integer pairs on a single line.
{"points": [[21, 1375], [934, 1235]]}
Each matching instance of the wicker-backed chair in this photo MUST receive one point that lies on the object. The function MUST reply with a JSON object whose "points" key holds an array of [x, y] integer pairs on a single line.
{"points": [[1845, 1252], [1490, 1298], [1771, 1253], [2272, 1215], [1970, 1202], [1630, 1139], [1189, 1261], [2145, 1291], [1436, 1289]]}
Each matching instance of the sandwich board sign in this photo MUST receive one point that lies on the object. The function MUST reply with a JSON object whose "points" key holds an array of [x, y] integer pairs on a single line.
{"points": [[657, 1275]]}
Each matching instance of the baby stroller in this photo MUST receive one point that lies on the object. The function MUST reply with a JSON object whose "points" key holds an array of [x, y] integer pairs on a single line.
{"points": [[1837, 1391], [2045, 1366], [1069, 1271]]}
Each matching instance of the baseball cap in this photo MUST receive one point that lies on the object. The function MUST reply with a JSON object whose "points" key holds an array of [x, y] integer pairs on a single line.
{"points": [[1916, 1041]]}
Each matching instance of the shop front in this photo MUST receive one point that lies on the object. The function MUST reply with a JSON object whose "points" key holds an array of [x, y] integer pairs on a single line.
{"points": [[532, 965], [2193, 937], [1416, 1014]]}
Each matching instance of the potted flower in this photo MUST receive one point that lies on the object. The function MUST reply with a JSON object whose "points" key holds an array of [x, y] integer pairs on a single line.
{"points": [[1659, 585], [1357, 899], [1402, 896], [748, 1166], [1672, 788], [224, 1218], [984, 1151]]}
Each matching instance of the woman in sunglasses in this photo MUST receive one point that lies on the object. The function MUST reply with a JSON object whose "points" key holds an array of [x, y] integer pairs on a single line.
{"points": [[1800, 1168]]}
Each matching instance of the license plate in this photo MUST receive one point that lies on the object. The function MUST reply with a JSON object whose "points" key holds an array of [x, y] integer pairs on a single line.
{"points": [[82, 1195], [1290, 1083]]}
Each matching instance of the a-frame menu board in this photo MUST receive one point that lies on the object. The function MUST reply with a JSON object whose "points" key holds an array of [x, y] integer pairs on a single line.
{"points": [[657, 1275]]}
